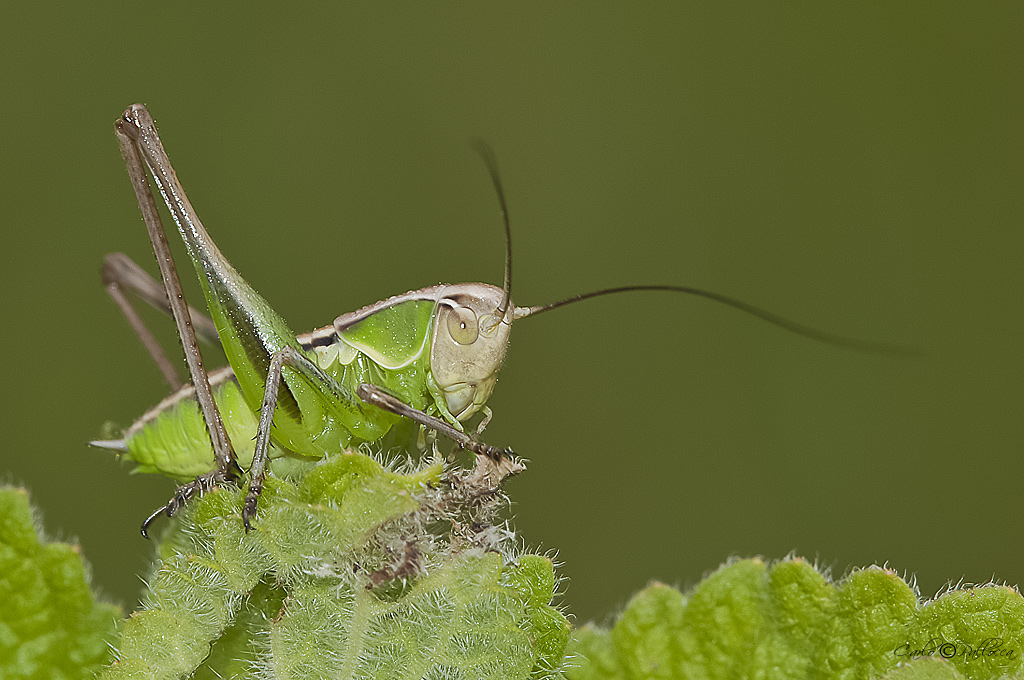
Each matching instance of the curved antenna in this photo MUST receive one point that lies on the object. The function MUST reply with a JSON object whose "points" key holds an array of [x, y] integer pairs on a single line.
{"points": [[487, 154], [782, 322]]}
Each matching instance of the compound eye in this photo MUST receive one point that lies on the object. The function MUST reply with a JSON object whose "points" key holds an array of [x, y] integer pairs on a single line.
{"points": [[463, 326]]}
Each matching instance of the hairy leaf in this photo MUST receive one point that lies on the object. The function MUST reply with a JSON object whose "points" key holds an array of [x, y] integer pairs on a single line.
{"points": [[788, 621], [51, 626]]}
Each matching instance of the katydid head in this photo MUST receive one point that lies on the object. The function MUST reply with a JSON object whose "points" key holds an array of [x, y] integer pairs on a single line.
{"points": [[470, 336]]}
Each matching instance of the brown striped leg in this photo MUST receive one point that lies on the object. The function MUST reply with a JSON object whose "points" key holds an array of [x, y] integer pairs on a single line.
{"points": [[135, 129]]}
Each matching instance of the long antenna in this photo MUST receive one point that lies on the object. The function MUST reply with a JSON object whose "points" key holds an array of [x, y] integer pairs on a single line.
{"points": [[487, 153], [782, 322]]}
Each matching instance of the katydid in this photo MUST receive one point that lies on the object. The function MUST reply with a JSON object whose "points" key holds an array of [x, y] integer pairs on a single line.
{"points": [[428, 358]]}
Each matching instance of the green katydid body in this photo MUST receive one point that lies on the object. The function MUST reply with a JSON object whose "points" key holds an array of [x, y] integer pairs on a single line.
{"points": [[396, 344], [430, 355]]}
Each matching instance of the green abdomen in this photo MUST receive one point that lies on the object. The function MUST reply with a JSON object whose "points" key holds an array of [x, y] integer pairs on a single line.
{"points": [[172, 438]]}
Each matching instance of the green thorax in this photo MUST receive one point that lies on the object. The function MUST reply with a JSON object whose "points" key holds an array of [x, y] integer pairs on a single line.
{"points": [[387, 345]]}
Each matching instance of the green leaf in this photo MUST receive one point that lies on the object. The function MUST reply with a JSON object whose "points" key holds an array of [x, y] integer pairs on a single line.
{"points": [[788, 621], [350, 571], [51, 626], [239, 648]]}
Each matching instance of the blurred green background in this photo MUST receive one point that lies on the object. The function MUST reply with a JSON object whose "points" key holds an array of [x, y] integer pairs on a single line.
{"points": [[856, 168]]}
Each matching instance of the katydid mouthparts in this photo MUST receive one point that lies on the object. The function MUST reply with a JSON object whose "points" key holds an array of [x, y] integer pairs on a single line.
{"points": [[424, 360]]}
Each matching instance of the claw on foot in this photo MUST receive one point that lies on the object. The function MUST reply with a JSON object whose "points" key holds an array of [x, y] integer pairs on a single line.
{"points": [[249, 510], [165, 509], [197, 487]]}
